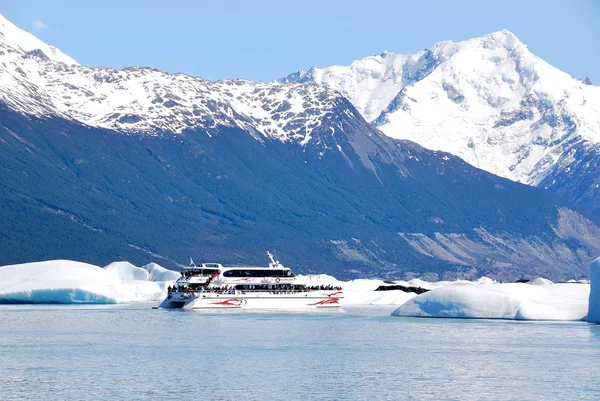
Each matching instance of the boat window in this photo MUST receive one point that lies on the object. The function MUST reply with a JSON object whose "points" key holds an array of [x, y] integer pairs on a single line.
{"points": [[258, 273], [199, 272]]}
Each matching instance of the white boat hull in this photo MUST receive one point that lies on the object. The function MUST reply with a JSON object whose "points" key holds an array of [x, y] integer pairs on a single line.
{"points": [[256, 300]]}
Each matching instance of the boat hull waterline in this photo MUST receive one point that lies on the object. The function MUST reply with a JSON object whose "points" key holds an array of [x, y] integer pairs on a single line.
{"points": [[199, 300]]}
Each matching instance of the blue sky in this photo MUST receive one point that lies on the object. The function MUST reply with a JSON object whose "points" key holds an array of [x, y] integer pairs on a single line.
{"points": [[264, 40]]}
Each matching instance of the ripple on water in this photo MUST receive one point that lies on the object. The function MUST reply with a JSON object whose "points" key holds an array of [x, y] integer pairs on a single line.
{"points": [[122, 352]]}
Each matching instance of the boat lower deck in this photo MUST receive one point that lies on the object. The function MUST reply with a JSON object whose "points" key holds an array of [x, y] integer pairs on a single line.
{"points": [[253, 300]]}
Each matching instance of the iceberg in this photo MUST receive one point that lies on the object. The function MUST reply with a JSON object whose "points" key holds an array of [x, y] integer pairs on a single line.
{"points": [[70, 282], [538, 300], [128, 272], [594, 300], [159, 273]]}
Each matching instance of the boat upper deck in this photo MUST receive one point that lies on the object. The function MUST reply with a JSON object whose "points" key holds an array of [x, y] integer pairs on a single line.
{"points": [[216, 269]]}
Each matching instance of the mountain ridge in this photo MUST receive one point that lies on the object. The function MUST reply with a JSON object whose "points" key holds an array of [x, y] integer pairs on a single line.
{"points": [[102, 164], [146, 100]]}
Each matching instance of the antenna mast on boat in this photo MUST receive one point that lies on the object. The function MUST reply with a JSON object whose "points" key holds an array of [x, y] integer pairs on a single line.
{"points": [[273, 261]]}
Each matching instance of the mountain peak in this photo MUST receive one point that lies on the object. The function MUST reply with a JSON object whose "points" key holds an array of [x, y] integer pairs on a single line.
{"points": [[505, 37], [503, 33], [21, 42]]}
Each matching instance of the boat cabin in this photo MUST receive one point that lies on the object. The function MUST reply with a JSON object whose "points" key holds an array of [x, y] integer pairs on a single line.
{"points": [[257, 272]]}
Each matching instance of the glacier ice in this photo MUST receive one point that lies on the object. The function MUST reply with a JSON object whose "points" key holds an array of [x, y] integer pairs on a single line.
{"points": [[127, 272], [69, 282], [158, 273], [521, 301], [594, 300]]}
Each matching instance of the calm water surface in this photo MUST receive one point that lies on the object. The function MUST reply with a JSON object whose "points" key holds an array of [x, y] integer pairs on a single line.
{"points": [[125, 352]]}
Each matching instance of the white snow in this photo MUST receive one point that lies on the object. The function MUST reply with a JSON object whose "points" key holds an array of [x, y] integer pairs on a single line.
{"points": [[594, 300], [370, 84], [147, 100], [18, 38], [65, 281], [488, 100], [521, 301]]}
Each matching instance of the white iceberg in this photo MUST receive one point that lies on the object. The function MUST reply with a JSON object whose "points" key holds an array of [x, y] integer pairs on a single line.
{"points": [[128, 272], [594, 299], [536, 301], [159, 273], [64, 281], [69, 282]]}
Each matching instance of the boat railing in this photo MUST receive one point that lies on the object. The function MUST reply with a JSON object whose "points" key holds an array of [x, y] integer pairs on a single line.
{"points": [[241, 292]]}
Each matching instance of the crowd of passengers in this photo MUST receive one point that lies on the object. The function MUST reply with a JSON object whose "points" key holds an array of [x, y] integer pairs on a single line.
{"points": [[278, 288], [191, 273]]}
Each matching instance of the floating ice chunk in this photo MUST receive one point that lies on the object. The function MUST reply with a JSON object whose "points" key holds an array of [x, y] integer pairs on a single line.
{"points": [[594, 300], [59, 281], [501, 301], [56, 296], [68, 282]]}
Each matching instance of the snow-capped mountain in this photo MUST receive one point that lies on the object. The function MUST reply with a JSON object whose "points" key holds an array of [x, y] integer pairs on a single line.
{"points": [[101, 164], [39, 80], [15, 41], [488, 100]]}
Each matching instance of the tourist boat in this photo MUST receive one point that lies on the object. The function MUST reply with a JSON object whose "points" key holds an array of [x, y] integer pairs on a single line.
{"points": [[214, 286]]}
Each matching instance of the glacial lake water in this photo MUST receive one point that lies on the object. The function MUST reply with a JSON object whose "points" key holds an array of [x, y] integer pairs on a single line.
{"points": [[131, 352]]}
